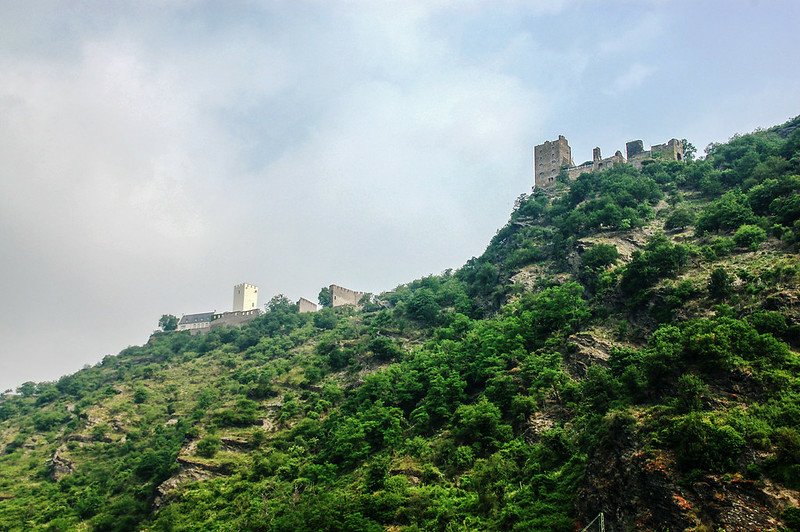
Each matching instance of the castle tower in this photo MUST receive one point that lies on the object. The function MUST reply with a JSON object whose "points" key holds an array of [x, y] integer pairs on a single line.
{"points": [[634, 148], [548, 159], [245, 297]]}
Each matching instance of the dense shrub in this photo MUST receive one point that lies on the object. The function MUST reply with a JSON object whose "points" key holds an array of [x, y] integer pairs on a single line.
{"points": [[660, 258], [703, 444], [720, 284], [749, 236], [208, 446], [680, 218], [725, 214]]}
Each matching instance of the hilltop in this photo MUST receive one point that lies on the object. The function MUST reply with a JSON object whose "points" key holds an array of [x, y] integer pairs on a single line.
{"points": [[627, 344]]}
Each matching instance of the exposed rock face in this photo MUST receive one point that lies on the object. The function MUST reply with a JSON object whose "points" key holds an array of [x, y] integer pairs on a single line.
{"points": [[60, 466], [635, 492], [587, 350], [641, 490], [538, 423], [230, 443], [170, 486]]}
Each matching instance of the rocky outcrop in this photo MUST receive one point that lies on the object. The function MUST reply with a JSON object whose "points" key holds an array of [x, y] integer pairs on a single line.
{"points": [[639, 489], [167, 489], [633, 489], [587, 349], [60, 466], [233, 443]]}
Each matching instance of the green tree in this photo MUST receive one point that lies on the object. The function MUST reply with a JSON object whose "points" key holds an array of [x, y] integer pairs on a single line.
{"points": [[725, 214], [689, 150], [660, 258], [325, 297], [168, 322], [749, 236], [140, 395], [680, 218], [481, 425], [599, 257], [423, 308], [208, 446], [720, 284], [702, 443]]}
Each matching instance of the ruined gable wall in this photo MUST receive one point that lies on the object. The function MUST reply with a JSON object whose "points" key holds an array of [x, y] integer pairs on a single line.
{"points": [[344, 296], [304, 305]]}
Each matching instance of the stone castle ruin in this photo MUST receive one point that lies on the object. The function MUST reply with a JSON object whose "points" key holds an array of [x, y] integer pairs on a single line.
{"points": [[306, 305], [341, 296], [550, 158]]}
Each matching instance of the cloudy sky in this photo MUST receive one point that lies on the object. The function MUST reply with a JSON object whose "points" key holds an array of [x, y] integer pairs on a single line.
{"points": [[155, 153]]}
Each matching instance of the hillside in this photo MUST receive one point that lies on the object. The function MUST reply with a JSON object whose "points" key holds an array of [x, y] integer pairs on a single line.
{"points": [[628, 343]]}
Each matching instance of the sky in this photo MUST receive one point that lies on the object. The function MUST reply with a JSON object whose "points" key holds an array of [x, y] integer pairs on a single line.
{"points": [[155, 153]]}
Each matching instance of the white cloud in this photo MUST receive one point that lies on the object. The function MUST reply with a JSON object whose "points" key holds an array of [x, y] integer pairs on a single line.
{"points": [[130, 185], [631, 79]]}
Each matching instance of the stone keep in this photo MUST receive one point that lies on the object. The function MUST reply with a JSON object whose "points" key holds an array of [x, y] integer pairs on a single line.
{"points": [[245, 297], [549, 158]]}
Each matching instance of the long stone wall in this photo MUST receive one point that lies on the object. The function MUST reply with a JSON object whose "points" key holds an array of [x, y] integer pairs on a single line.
{"points": [[235, 318]]}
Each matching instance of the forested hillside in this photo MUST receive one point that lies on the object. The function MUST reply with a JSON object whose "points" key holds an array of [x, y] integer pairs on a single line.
{"points": [[628, 343]]}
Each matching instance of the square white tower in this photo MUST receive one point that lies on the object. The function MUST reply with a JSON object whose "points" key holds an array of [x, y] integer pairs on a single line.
{"points": [[245, 297]]}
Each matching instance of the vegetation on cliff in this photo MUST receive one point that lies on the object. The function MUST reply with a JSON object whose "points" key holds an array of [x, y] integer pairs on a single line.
{"points": [[626, 344]]}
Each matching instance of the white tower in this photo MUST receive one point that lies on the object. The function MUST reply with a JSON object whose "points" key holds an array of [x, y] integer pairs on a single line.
{"points": [[245, 297]]}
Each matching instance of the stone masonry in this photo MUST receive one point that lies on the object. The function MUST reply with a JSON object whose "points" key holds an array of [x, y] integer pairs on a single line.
{"points": [[341, 296], [305, 305]]}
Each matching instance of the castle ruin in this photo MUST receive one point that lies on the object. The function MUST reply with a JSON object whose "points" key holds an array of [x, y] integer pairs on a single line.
{"points": [[341, 296], [551, 157], [305, 305]]}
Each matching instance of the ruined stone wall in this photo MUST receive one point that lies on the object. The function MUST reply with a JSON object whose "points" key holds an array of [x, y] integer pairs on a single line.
{"points": [[638, 160], [634, 148], [304, 305], [574, 171], [598, 163], [341, 296], [669, 151]]}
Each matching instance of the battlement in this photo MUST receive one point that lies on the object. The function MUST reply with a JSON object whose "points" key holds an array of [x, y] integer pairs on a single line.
{"points": [[245, 296], [551, 157]]}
